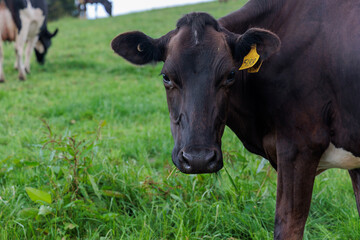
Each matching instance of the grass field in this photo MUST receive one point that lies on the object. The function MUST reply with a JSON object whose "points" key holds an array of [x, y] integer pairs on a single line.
{"points": [[93, 131]]}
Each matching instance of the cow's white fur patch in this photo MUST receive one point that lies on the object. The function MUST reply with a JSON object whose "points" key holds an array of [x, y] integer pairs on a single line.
{"points": [[34, 18], [31, 20], [338, 158]]}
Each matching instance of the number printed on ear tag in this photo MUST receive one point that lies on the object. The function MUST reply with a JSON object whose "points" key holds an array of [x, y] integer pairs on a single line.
{"points": [[250, 59]]}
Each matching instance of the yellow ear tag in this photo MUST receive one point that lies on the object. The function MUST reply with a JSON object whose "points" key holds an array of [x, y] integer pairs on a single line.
{"points": [[250, 60], [255, 68]]}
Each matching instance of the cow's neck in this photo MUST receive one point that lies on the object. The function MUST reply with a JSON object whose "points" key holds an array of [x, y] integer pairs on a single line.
{"points": [[248, 116], [245, 115]]}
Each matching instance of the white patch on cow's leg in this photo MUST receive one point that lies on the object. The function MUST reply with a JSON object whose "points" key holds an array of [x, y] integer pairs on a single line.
{"points": [[337, 158], [29, 48], [2, 77], [19, 60], [20, 44]]}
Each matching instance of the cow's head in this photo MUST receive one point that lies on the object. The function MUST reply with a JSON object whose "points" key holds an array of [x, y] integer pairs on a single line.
{"points": [[43, 44], [201, 62]]}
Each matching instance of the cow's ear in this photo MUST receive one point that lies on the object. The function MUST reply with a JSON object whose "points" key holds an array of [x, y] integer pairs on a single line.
{"points": [[54, 33], [267, 43], [49, 34], [138, 48]]}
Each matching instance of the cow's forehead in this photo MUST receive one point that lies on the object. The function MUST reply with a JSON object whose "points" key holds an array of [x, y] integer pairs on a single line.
{"points": [[188, 43], [203, 62]]}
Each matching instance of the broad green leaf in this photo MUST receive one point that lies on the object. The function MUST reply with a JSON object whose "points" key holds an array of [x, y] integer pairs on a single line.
{"points": [[38, 195]]}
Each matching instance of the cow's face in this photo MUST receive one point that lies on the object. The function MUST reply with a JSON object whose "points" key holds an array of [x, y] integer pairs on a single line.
{"points": [[43, 44], [201, 62]]}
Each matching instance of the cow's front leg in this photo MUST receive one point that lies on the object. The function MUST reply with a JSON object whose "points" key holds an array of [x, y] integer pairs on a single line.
{"points": [[19, 48], [355, 178], [29, 48], [297, 164], [2, 77]]}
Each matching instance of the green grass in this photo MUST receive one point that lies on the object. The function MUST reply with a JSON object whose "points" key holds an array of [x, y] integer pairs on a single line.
{"points": [[112, 117]]}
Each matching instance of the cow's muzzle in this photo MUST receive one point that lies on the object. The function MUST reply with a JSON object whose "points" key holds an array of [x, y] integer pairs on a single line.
{"points": [[194, 160]]}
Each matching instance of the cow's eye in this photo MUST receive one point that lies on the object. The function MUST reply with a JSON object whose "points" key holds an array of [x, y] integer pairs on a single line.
{"points": [[166, 79], [230, 78]]}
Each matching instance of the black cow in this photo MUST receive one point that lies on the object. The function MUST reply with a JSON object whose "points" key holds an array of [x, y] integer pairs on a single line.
{"points": [[296, 105], [30, 18]]}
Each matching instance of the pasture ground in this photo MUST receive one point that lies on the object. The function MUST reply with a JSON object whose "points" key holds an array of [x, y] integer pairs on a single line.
{"points": [[93, 131]]}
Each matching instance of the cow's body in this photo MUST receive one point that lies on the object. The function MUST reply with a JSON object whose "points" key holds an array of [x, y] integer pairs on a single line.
{"points": [[7, 25], [313, 74], [304, 103], [29, 17], [300, 111]]}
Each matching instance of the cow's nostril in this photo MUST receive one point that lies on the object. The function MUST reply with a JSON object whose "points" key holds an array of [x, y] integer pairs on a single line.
{"points": [[212, 161], [185, 159], [210, 157]]}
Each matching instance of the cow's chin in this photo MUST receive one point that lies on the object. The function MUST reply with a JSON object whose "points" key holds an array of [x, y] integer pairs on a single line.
{"points": [[198, 161]]}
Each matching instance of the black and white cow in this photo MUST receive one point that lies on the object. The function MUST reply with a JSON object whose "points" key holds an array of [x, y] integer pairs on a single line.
{"points": [[30, 17]]}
